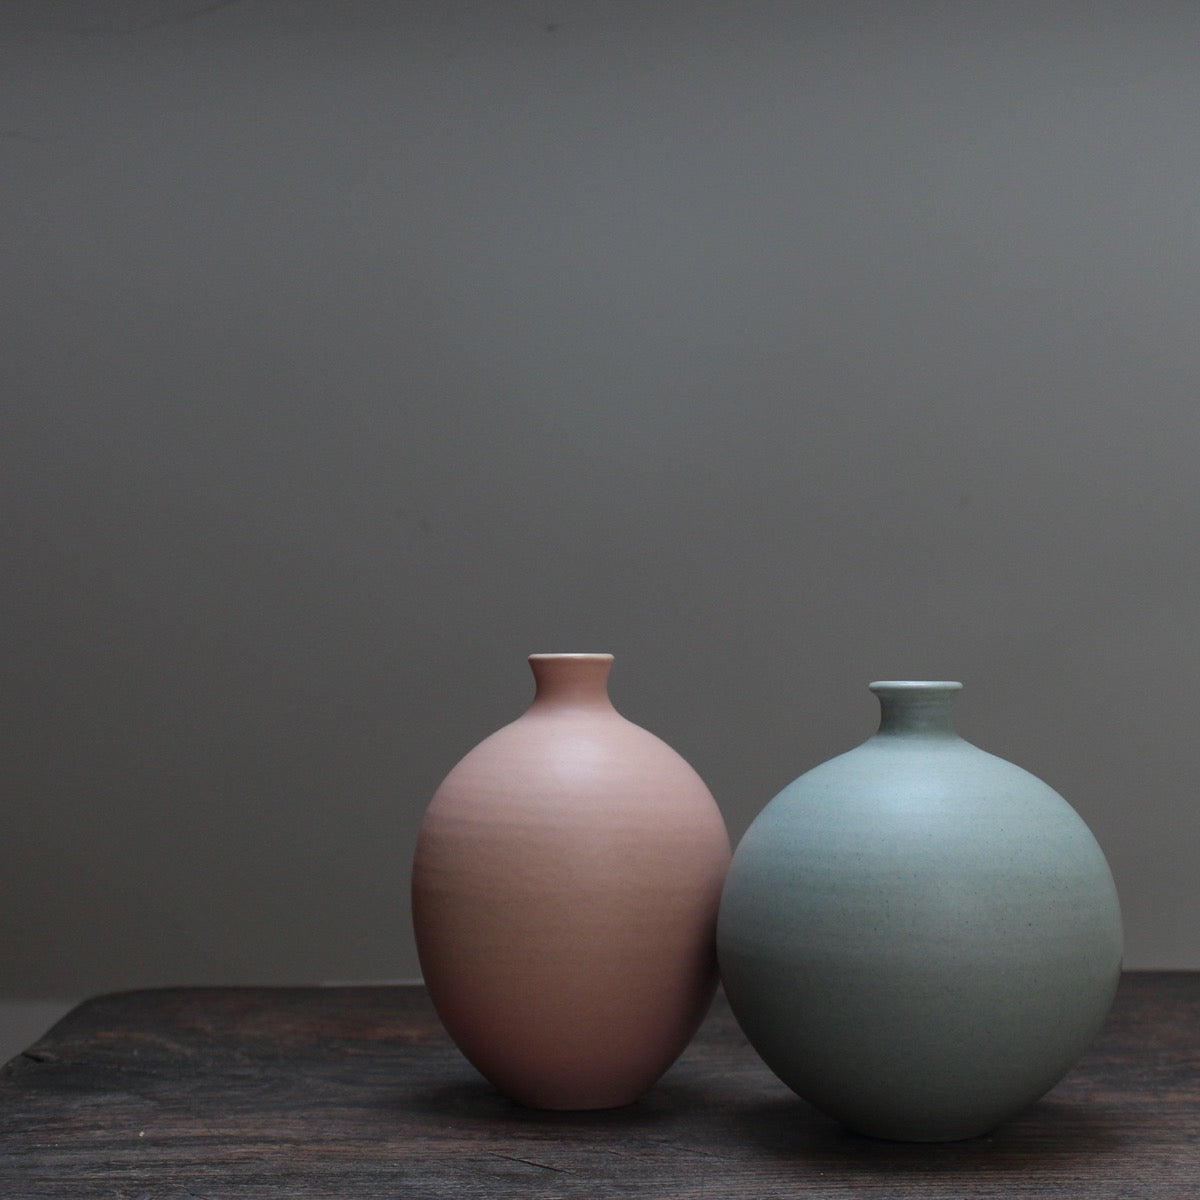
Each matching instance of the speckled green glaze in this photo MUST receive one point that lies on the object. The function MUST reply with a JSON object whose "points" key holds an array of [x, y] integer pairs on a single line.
{"points": [[918, 937]]}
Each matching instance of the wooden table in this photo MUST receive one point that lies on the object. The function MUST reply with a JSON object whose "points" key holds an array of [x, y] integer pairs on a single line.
{"points": [[348, 1092]]}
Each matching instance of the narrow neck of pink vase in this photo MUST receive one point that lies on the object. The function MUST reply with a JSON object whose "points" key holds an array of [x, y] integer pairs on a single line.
{"points": [[916, 706], [578, 680]]}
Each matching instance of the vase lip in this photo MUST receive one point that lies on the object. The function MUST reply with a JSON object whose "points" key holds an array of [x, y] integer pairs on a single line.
{"points": [[586, 656], [915, 685]]}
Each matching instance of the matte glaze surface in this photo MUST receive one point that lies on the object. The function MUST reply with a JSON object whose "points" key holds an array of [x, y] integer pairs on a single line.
{"points": [[918, 937], [565, 892]]}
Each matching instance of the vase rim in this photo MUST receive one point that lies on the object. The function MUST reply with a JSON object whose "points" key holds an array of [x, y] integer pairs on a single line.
{"points": [[587, 656], [915, 685]]}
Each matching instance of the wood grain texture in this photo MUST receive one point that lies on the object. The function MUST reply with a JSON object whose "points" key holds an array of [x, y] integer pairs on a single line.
{"points": [[356, 1092]]}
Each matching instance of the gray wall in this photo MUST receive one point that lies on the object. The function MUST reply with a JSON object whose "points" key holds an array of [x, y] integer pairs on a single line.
{"points": [[351, 352]]}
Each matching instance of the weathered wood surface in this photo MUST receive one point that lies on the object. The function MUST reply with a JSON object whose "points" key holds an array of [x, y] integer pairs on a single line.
{"points": [[349, 1092]]}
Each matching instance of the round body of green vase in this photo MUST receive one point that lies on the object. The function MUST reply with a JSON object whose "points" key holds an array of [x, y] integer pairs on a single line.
{"points": [[918, 937]]}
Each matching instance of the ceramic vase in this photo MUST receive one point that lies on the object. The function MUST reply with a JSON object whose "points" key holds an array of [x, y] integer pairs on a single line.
{"points": [[565, 890], [918, 937]]}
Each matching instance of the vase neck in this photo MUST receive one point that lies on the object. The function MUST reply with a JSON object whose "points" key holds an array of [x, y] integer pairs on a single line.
{"points": [[916, 706], [576, 680]]}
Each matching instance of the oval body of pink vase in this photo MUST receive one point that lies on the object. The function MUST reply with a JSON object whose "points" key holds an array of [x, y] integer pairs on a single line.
{"points": [[565, 890]]}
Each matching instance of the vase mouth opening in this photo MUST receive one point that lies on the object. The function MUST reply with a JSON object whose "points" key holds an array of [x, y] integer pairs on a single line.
{"points": [[909, 686], [571, 657]]}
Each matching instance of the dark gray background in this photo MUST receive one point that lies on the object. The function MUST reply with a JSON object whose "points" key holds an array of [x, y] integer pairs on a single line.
{"points": [[351, 352]]}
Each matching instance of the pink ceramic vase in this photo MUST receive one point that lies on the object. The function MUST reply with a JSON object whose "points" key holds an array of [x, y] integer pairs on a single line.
{"points": [[565, 891]]}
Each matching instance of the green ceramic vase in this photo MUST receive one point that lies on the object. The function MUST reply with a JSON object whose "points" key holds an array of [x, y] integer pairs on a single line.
{"points": [[918, 937]]}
